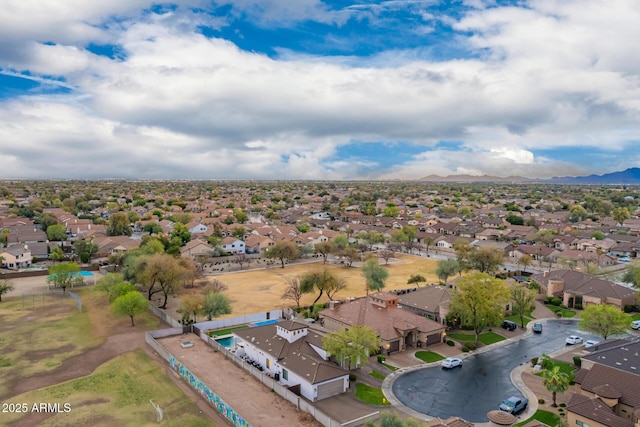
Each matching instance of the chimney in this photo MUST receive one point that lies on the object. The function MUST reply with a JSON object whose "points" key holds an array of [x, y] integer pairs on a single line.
{"points": [[545, 273], [333, 304]]}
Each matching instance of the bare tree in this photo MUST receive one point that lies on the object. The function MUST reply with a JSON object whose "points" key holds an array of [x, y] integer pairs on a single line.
{"points": [[293, 290], [242, 259], [386, 255], [216, 286]]}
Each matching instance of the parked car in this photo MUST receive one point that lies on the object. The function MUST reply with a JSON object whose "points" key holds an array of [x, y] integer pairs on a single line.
{"points": [[590, 343], [537, 328], [514, 405], [573, 339], [624, 259], [635, 324], [451, 362], [509, 325]]}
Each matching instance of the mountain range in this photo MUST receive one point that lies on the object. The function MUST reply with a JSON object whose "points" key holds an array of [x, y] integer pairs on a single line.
{"points": [[629, 176]]}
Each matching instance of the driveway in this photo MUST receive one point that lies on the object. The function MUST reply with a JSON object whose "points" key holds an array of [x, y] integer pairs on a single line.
{"points": [[484, 379]]}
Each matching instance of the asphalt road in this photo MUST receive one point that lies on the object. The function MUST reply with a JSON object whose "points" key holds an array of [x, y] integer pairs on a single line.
{"points": [[483, 381]]}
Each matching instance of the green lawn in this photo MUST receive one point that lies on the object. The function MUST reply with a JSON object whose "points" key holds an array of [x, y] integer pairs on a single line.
{"points": [[226, 331], [635, 316], [370, 395], [393, 368], [376, 374], [549, 418], [485, 338], [516, 319], [565, 311], [565, 367], [428, 356]]}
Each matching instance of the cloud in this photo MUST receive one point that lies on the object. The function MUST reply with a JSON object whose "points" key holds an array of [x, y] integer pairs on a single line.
{"points": [[181, 104]]}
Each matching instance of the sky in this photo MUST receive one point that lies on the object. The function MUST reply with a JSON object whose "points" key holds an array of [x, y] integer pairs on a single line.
{"points": [[318, 90]]}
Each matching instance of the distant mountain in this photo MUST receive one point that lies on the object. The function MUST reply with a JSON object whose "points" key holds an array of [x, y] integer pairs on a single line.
{"points": [[629, 176], [478, 178]]}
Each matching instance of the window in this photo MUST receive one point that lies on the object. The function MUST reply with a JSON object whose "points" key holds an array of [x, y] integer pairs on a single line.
{"points": [[268, 363], [285, 375], [581, 423]]}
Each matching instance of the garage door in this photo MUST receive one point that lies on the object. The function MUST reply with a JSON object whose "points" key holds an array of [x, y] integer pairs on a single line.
{"points": [[329, 389], [433, 339], [394, 346]]}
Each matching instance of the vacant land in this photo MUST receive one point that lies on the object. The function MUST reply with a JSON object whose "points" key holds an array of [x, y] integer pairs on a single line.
{"points": [[52, 353], [261, 290]]}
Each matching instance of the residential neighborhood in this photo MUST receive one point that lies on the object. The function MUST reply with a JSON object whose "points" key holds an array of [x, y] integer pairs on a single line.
{"points": [[565, 249]]}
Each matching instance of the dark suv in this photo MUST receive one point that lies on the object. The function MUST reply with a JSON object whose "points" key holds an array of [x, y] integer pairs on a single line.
{"points": [[509, 325]]}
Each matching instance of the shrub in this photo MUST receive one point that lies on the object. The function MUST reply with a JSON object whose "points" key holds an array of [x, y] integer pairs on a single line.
{"points": [[563, 405], [465, 350], [628, 308], [450, 343], [352, 377], [547, 300], [578, 306], [534, 361], [380, 358], [541, 401], [577, 361], [556, 301], [470, 346]]}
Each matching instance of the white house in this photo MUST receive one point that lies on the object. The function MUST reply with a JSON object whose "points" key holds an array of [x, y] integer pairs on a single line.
{"points": [[292, 353], [233, 245]]}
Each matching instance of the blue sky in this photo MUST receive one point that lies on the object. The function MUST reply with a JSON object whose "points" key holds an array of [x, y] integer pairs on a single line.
{"points": [[311, 89]]}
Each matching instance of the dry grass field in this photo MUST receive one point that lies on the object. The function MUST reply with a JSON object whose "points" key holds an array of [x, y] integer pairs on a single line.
{"points": [[261, 290]]}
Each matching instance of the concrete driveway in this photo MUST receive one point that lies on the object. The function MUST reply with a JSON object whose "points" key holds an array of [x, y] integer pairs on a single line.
{"points": [[482, 382]]}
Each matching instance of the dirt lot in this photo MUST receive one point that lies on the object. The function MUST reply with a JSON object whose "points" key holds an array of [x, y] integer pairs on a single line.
{"points": [[251, 399]]}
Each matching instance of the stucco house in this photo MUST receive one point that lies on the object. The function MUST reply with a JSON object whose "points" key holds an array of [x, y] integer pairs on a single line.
{"points": [[575, 287], [608, 386], [431, 302], [292, 353], [398, 329], [16, 257], [196, 248], [233, 245]]}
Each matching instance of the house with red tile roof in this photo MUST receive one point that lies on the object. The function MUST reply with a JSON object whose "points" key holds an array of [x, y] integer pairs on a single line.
{"points": [[398, 329]]}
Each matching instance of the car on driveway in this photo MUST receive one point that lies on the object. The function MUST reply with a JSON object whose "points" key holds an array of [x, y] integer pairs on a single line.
{"points": [[537, 328], [451, 362], [635, 324], [509, 325], [514, 405], [573, 339], [590, 343]]}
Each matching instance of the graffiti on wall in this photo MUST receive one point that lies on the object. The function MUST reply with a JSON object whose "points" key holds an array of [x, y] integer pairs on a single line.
{"points": [[215, 400]]}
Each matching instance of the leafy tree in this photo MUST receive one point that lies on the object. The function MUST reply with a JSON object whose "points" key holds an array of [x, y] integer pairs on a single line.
{"points": [[412, 233], [351, 347], [216, 304], [427, 242], [130, 304], [57, 254], [632, 276], [340, 242], [597, 235], [119, 289], [486, 260], [293, 291], [317, 279], [374, 275], [191, 305], [238, 232], [391, 211], [181, 232], [515, 219], [6, 286], [463, 255], [64, 275], [525, 261], [241, 215], [523, 301], [160, 273], [416, 278], [108, 281], [604, 320], [324, 249], [556, 381], [447, 268], [85, 249], [283, 251], [152, 228], [350, 255], [119, 225], [335, 285], [620, 215], [57, 232], [578, 213], [478, 301]]}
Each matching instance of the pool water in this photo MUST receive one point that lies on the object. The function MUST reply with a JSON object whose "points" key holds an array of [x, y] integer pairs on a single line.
{"points": [[265, 322], [226, 342]]}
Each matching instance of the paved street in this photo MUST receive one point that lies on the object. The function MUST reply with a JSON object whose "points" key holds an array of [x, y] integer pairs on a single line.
{"points": [[484, 379]]}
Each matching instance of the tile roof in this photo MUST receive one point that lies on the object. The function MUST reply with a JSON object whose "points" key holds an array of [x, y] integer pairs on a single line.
{"points": [[583, 284], [298, 356], [596, 410], [625, 383]]}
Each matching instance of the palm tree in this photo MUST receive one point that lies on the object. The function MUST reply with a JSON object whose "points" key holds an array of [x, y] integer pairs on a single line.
{"points": [[555, 381]]}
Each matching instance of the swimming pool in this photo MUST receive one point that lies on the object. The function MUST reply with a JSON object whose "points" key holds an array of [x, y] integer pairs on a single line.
{"points": [[265, 322], [227, 342]]}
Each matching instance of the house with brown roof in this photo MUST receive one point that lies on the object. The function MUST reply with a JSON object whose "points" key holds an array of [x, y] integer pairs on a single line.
{"points": [[431, 302], [16, 257], [292, 353], [609, 386], [398, 329], [196, 248], [575, 287]]}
